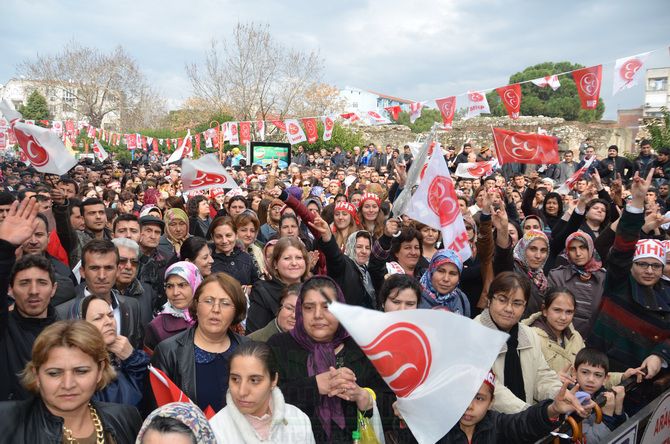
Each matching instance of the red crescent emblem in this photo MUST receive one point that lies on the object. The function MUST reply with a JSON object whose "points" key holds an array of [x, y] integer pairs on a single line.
{"points": [[589, 84], [628, 69], [448, 109], [35, 153], [423, 171], [475, 97], [402, 356], [293, 129], [518, 149], [440, 200], [203, 178], [374, 114], [329, 123]]}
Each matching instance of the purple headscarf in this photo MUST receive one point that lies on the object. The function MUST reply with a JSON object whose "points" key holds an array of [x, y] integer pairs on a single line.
{"points": [[321, 357]]}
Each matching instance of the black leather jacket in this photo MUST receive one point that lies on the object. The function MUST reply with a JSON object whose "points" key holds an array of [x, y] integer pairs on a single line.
{"points": [[29, 422]]}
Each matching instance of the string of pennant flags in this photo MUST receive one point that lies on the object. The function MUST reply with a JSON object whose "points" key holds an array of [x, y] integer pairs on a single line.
{"points": [[627, 72]]}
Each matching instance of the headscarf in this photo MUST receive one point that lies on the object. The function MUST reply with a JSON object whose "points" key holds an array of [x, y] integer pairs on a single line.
{"points": [[268, 265], [456, 301], [594, 263], [151, 196], [188, 414], [146, 210], [321, 357], [190, 273], [536, 276], [170, 215], [545, 229], [350, 251]]}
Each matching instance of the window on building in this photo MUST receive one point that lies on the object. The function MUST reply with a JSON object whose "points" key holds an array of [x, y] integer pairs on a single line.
{"points": [[657, 84], [68, 96]]}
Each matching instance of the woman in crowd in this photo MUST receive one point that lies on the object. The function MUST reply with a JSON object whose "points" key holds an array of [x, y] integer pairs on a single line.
{"points": [[255, 407], [70, 362], [348, 269], [370, 215], [596, 218], [285, 320], [236, 205], [308, 357], [345, 223], [176, 232], [431, 236], [228, 256], [524, 375], [198, 211], [130, 364], [195, 250], [176, 423], [197, 359], [216, 198], [583, 277], [181, 282], [287, 266], [399, 292], [439, 284], [246, 229]]}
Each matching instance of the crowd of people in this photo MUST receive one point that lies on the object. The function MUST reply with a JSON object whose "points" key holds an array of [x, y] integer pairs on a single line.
{"points": [[113, 267]]}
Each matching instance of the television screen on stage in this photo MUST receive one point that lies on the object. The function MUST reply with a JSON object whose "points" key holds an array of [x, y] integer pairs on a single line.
{"points": [[263, 153]]}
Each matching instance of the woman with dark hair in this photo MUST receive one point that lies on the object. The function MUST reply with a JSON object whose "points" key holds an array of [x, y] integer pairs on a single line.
{"points": [[370, 215], [176, 423], [197, 359], [228, 256], [255, 407], [399, 292], [236, 205], [198, 216], [520, 367], [195, 250], [323, 371], [596, 218], [64, 352], [130, 364], [246, 229]]}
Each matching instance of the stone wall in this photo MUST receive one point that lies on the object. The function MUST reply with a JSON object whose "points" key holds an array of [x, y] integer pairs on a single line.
{"points": [[478, 132]]}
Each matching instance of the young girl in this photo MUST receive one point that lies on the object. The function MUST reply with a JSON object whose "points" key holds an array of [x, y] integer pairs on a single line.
{"points": [[370, 214]]}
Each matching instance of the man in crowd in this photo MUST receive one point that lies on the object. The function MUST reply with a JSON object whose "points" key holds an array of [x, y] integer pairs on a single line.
{"points": [[614, 166], [127, 283], [644, 161]]}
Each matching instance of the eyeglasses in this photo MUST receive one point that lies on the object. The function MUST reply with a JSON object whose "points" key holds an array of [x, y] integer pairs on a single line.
{"points": [[289, 308], [503, 300], [645, 265], [129, 261], [211, 302]]}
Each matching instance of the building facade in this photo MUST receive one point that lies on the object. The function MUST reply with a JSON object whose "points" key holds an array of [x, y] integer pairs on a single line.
{"points": [[360, 100], [656, 93]]}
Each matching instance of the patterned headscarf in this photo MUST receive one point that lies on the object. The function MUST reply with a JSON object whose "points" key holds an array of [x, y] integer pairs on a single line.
{"points": [[594, 263], [453, 300], [187, 413], [170, 215], [321, 357], [190, 273], [537, 276]]}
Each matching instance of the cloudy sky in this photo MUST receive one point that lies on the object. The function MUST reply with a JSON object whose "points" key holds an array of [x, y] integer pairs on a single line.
{"points": [[418, 49]]}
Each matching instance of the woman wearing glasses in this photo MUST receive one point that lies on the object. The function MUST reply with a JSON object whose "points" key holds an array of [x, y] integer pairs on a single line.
{"points": [[523, 374], [197, 359]]}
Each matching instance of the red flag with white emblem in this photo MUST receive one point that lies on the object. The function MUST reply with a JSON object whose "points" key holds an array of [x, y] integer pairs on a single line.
{"points": [[447, 107], [205, 173], [435, 204], [588, 81], [311, 130], [328, 125], [294, 132], [528, 148], [427, 373], [131, 141], [279, 124], [627, 71], [42, 147], [511, 99], [245, 133]]}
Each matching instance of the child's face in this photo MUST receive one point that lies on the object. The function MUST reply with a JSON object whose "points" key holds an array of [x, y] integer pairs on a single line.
{"points": [[590, 378], [478, 406]]}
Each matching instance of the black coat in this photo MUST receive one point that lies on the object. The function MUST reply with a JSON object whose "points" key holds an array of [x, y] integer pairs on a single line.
{"points": [[176, 357], [302, 391], [30, 422], [263, 304], [238, 265]]}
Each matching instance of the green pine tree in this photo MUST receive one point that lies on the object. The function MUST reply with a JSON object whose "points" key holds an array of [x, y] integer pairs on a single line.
{"points": [[35, 108]]}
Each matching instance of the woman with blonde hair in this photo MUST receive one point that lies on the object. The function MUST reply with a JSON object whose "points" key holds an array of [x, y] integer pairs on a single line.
{"points": [[370, 214], [70, 362]]}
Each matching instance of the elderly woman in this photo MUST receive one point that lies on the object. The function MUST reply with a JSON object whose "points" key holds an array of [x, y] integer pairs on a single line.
{"points": [[349, 270], [176, 232], [70, 362], [181, 281], [323, 371], [197, 359], [439, 284], [176, 423], [130, 364]]}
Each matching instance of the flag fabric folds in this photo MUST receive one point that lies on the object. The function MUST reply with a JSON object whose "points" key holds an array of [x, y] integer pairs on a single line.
{"points": [[528, 148], [205, 173]]}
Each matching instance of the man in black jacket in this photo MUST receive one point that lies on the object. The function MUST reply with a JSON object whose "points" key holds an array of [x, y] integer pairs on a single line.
{"points": [[33, 285], [614, 164]]}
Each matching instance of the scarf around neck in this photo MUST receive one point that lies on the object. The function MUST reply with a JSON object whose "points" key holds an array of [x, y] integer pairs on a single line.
{"points": [[537, 275], [456, 301], [594, 263]]}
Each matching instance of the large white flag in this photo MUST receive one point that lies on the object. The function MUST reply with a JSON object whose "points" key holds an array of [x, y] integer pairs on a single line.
{"points": [[205, 173], [434, 361], [477, 104], [294, 131], [99, 151], [435, 204], [413, 176], [41, 146], [627, 71], [475, 170], [551, 81], [181, 151]]}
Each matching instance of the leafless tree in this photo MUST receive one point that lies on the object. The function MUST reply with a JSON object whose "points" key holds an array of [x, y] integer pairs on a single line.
{"points": [[254, 77], [97, 84]]}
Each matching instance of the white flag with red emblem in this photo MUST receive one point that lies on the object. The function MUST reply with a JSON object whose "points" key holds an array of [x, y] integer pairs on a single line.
{"points": [[260, 130], [328, 125], [428, 372], [180, 152], [569, 184], [3, 140], [205, 173], [551, 81], [233, 133], [415, 111], [99, 151], [435, 204], [414, 175], [41, 146], [376, 118], [475, 170], [477, 104], [57, 126], [627, 71], [294, 131]]}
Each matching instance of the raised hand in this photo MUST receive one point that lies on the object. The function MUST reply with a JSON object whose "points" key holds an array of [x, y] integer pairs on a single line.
{"points": [[638, 189], [566, 402], [20, 222], [322, 227], [392, 227]]}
